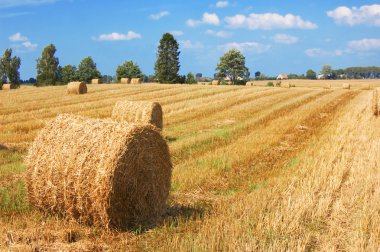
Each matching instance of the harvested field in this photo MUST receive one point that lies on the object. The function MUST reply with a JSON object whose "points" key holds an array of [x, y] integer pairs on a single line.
{"points": [[254, 169]]}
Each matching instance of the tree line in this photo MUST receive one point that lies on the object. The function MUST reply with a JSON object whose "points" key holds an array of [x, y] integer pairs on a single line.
{"points": [[231, 68]]}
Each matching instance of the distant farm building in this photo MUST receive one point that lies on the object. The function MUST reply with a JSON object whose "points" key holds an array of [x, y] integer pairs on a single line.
{"points": [[282, 77]]}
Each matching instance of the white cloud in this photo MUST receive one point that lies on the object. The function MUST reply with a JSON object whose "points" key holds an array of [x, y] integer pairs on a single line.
{"points": [[366, 14], [318, 52], [118, 36], [268, 21], [220, 34], [190, 45], [17, 37], [29, 46], [222, 4], [176, 33], [364, 44], [207, 18], [15, 3], [246, 46], [285, 39], [159, 15]]}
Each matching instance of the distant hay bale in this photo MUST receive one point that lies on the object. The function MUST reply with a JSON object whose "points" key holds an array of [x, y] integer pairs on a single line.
{"points": [[250, 83], [346, 86], [99, 172], [138, 112], [124, 81], [96, 81], [136, 81], [367, 86], [292, 85], [215, 82], [328, 86], [285, 84], [375, 102], [76, 87], [6, 86]]}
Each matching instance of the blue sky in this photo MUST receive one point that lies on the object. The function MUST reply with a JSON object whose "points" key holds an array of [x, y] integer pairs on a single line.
{"points": [[276, 36]]}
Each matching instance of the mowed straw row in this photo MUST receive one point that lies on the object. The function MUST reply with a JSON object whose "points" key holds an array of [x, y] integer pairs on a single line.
{"points": [[375, 102], [99, 172]]}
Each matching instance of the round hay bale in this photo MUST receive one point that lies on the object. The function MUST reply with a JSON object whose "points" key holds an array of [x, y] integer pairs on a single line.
{"points": [[124, 81], [367, 86], [215, 82], [250, 83], [346, 86], [99, 172], [6, 86], [96, 81], [76, 87], [136, 81], [375, 102], [138, 112]]}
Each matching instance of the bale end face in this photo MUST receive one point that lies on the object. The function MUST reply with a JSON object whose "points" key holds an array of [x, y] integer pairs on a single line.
{"points": [[346, 86], [7, 86], [99, 172]]}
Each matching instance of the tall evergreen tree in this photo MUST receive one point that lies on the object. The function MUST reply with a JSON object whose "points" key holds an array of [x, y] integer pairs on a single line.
{"points": [[87, 70], [47, 67], [167, 63]]}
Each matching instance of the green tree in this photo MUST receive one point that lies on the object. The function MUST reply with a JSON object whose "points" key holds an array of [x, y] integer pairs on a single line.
{"points": [[326, 70], [69, 73], [232, 65], [311, 75], [190, 79], [14, 74], [128, 69], [87, 70], [47, 67], [167, 63]]}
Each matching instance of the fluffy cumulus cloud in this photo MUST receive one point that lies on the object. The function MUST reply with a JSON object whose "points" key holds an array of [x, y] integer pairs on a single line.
{"points": [[207, 18], [159, 15], [364, 45], [318, 52], [268, 21], [22, 43], [285, 39], [366, 14], [221, 4], [219, 34], [246, 46], [176, 33], [187, 44], [115, 36], [15, 3]]}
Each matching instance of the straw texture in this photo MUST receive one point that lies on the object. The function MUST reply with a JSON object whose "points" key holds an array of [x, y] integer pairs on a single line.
{"points": [[124, 80], [76, 87], [99, 172], [138, 112]]}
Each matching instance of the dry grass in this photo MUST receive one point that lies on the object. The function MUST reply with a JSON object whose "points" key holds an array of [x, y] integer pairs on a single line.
{"points": [[255, 169]]}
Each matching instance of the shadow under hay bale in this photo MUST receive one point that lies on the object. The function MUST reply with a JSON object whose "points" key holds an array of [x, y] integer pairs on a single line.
{"points": [[138, 112], [76, 87], [100, 172]]}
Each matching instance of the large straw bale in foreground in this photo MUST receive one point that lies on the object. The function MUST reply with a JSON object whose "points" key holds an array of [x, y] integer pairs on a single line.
{"points": [[76, 87], [346, 86], [215, 82], [136, 81], [96, 81], [375, 102], [99, 172], [124, 81], [6, 86], [138, 112]]}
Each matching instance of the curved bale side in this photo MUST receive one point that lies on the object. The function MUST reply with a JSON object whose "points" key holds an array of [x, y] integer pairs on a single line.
{"points": [[136, 81], [96, 81], [215, 82], [124, 81], [375, 102], [99, 172], [76, 87], [346, 86], [6, 86], [250, 83], [138, 112]]}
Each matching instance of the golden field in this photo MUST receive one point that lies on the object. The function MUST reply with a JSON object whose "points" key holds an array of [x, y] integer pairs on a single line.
{"points": [[255, 168]]}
